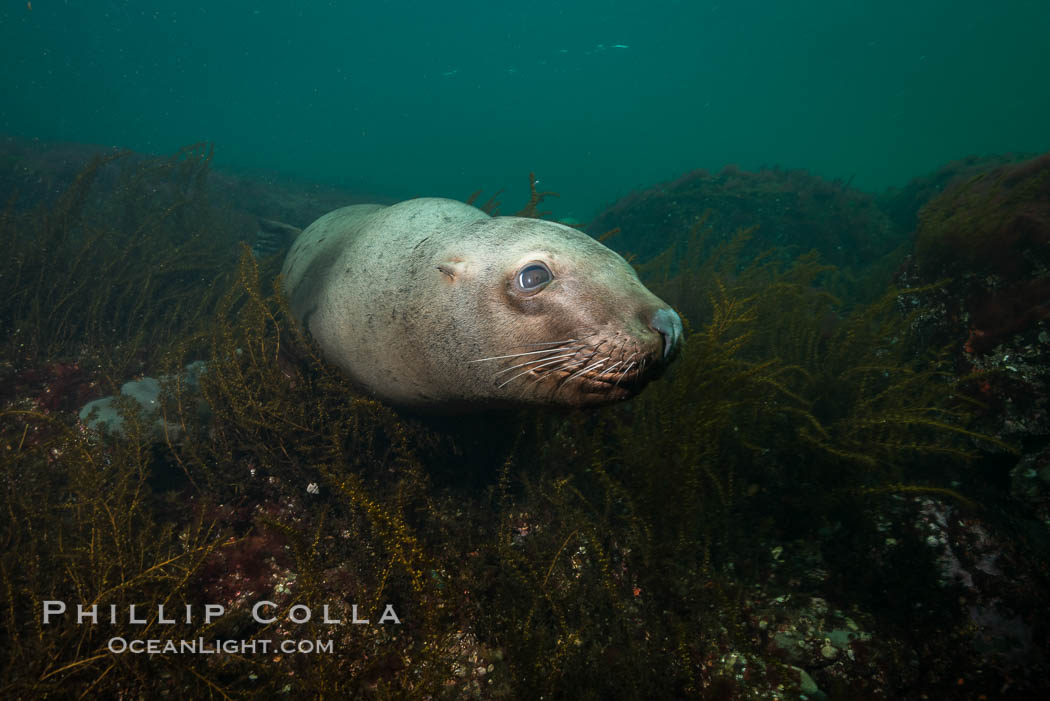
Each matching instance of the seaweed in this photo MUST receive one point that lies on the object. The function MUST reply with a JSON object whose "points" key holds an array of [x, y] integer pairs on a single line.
{"points": [[119, 270], [80, 526], [530, 210], [610, 553], [990, 234]]}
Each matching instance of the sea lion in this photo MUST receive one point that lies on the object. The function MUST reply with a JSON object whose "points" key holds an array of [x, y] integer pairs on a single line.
{"points": [[434, 305]]}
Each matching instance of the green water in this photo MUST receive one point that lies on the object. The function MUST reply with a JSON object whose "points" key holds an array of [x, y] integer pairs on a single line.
{"points": [[427, 98]]}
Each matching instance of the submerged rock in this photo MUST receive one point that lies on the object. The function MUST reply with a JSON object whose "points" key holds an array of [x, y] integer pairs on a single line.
{"points": [[791, 208], [109, 415]]}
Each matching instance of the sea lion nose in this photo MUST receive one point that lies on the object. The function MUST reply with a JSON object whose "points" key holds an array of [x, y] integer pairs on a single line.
{"points": [[668, 324]]}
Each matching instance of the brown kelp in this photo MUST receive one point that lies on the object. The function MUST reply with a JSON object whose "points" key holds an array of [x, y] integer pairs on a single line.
{"points": [[991, 234], [82, 525], [644, 550], [128, 269]]}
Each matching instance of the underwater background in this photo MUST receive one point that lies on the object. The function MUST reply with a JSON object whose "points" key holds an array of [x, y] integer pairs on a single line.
{"points": [[424, 98], [839, 490]]}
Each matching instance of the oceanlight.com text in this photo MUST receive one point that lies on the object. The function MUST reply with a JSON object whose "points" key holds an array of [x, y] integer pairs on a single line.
{"points": [[200, 646]]}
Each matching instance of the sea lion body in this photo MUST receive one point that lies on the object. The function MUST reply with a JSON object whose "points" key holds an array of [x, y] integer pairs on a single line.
{"points": [[435, 305]]}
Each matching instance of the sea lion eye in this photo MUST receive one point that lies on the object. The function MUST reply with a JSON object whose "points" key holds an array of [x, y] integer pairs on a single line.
{"points": [[533, 276]]}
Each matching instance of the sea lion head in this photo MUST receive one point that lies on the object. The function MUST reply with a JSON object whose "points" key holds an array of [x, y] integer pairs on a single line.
{"points": [[542, 314]]}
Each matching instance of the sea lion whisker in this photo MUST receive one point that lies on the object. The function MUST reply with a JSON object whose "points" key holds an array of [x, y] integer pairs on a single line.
{"points": [[566, 366], [549, 343], [586, 369], [627, 368], [534, 360], [610, 368], [623, 373], [561, 366], [515, 355], [526, 372], [619, 352]]}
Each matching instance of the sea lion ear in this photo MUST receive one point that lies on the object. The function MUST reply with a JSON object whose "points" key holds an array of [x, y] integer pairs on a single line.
{"points": [[453, 268]]}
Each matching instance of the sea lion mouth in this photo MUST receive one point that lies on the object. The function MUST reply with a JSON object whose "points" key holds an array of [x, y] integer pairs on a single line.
{"points": [[580, 372], [615, 385]]}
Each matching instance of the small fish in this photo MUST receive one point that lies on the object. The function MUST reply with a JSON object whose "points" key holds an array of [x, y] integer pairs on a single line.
{"points": [[620, 46]]}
